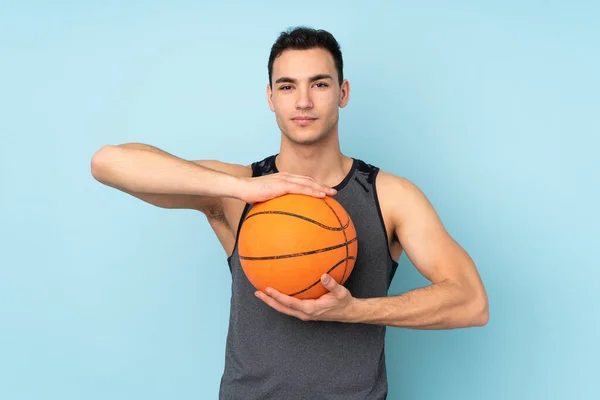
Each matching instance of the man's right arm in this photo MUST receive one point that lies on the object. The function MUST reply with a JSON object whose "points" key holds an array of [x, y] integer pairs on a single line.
{"points": [[167, 181], [217, 189]]}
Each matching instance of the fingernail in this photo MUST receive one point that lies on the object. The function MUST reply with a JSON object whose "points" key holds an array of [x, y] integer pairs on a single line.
{"points": [[321, 194], [268, 291], [326, 279]]}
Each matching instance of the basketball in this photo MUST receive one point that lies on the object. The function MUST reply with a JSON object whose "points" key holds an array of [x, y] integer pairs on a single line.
{"points": [[288, 242]]}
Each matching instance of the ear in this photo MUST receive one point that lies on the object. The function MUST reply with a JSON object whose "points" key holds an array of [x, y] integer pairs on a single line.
{"points": [[344, 93], [270, 97]]}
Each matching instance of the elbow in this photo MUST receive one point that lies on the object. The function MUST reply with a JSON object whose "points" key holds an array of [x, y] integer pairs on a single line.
{"points": [[479, 314], [482, 317], [473, 306], [100, 161]]}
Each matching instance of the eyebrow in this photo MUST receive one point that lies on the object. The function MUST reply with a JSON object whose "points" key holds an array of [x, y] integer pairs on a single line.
{"points": [[312, 78]]}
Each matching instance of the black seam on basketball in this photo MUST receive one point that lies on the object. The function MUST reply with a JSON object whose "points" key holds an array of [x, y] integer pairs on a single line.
{"points": [[314, 283], [289, 214], [305, 253], [345, 237]]}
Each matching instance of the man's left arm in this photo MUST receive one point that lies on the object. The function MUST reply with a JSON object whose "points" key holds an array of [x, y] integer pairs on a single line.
{"points": [[456, 297]]}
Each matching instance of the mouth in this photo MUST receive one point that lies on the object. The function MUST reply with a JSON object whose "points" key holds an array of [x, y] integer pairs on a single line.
{"points": [[303, 120]]}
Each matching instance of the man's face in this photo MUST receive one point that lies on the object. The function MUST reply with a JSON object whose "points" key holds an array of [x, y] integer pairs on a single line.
{"points": [[306, 95]]}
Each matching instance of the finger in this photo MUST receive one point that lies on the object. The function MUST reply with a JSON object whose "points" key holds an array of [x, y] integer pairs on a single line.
{"points": [[311, 182], [288, 301], [284, 309], [331, 284], [307, 180], [303, 189]]}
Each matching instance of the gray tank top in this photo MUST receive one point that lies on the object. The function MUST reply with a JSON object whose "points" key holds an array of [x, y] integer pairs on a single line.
{"points": [[270, 355]]}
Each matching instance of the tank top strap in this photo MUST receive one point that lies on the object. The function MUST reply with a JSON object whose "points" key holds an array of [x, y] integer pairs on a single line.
{"points": [[264, 167], [365, 175]]}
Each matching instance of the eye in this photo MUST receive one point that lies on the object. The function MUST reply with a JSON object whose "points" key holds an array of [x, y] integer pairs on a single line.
{"points": [[286, 87], [321, 85]]}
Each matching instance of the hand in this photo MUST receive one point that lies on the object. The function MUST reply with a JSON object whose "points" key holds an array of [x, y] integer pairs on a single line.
{"points": [[267, 187], [333, 306]]}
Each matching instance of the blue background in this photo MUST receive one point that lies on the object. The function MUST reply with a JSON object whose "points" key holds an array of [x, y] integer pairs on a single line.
{"points": [[491, 109]]}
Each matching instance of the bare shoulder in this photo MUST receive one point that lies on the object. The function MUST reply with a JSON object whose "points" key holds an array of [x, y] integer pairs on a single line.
{"points": [[396, 187], [400, 198]]}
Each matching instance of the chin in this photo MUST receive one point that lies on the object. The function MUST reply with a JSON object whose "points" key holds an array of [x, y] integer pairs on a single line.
{"points": [[305, 138]]}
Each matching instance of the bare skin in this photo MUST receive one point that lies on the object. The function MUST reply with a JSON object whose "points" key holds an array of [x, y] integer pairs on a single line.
{"points": [[306, 96]]}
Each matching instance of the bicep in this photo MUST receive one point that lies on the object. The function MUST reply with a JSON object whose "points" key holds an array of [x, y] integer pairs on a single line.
{"points": [[425, 240]]}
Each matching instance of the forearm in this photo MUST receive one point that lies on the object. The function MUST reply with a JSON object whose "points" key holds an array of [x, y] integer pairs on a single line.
{"points": [[146, 169], [440, 306]]}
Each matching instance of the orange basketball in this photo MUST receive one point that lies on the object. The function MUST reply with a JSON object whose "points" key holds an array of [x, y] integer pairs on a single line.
{"points": [[288, 242]]}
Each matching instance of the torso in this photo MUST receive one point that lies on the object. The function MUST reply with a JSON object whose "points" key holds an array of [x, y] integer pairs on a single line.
{"points": [[270, 355]]}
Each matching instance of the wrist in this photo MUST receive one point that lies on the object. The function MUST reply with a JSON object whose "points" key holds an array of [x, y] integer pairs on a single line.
{"points": [[356, 310], [237, 186]]}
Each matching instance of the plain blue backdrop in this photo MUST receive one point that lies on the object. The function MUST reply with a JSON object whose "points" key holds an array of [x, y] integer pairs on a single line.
{"points": [[491, 109]]}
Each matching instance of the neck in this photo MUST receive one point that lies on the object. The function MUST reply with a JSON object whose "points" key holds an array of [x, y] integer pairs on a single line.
{"points": [[321, 161]]}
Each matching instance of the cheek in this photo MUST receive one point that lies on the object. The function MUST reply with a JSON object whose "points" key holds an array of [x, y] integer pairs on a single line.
{"points": [[329, 101], [282, 105], [330, 109], [281, 113]]}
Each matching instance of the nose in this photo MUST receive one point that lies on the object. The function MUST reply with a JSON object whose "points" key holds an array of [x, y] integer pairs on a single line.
{"points": [[303, 101]]}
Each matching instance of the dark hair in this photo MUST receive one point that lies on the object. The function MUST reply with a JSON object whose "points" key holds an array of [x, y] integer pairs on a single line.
{"points": [[303, 38]]}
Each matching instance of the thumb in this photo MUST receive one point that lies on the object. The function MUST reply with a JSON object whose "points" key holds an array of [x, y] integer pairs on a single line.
{"points": [[331, 285]]}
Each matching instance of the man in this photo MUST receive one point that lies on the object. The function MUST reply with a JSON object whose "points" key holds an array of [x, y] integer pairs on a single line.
{"points": [[280, 347]]}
